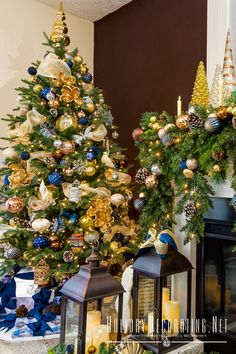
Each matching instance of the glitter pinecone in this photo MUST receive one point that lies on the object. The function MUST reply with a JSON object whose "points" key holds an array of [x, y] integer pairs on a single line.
{"points": [[190, 209], [21, 311], [194, 121], [141, 175], [53, 308]]}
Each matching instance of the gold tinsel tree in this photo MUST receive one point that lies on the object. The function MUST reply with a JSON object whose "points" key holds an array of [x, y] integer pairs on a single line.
{"points": [[200, 93]]}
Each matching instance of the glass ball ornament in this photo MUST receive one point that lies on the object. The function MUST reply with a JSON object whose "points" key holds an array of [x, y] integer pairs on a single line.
{"points": [[68, 257], [32, 71], [54, 104], [87, 78], [182, 122], [83, 120], [222, 113], [183, 165], [68, 172], [78, 59], [153, 119], [69, 63], [115, 135], [44, 92], [90, 155], [90, 171], [66, 121], [117, 199], [41, 242], [37, 88], [67, 147], [155, 169], [90, 107], [14, 204], [188, 173], [151, 181], [91, 236], [161, 133], [212, 124], [216, 168], [156, 126], [85, 221], [55, 178], [192, 164], [24, 155], [6, 180], [41, 225], [92, 349], [137, 134]]}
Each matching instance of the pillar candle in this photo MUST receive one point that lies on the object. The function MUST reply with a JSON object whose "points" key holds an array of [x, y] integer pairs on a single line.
{"points": [[165, 299], [179, 106], [150, 323], [93, 322], [172, 313], [101, 335]]}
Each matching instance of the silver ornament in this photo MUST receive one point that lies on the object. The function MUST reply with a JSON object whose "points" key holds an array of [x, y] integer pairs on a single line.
{"points": [[155, 169], [53, 112], [57, 143], [87, 99], [50, 96], [68, 257], [79, 166], [74, 194], [91, 236], [115, 135], [11, 252]]}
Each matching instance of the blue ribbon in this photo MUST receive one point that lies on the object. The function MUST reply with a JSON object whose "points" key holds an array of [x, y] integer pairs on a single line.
{"points": [[41, 300], [8, 322], [40, 327], [7, 294]]}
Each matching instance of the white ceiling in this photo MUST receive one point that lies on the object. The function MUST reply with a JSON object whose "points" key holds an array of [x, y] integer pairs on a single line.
{"points": [[91, 10]]}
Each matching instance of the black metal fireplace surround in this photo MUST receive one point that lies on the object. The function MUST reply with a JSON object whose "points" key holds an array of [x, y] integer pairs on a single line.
{"points": [[216, 279]]}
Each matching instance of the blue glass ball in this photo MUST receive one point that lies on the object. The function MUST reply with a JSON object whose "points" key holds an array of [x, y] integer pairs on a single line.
{"points": [[87, 78], [118, 236], [95, 149], [6, 180], [70, 348], [212, 125], [83, 120], [139, 204], [55, 178], [73, 218], [40, 242], [69, 63], [32, 71], [234, 201], [90, 156], [45, 91], [183, 165], [25, 155]]}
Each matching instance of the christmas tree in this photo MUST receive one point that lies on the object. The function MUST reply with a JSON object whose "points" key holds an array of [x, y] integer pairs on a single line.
{"points": [[215, 99], [229, 80], [200, 94], [65, 181]]}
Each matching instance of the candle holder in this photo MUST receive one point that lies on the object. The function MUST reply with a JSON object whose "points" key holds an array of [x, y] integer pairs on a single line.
{"points": [[87, 318], [163, 323]]}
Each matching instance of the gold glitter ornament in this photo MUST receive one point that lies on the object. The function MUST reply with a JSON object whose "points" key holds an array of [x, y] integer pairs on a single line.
{"points": [[90, 171], [222, 113], [85, 221], [182, 122], [188, 173], [66, 121], [14, 205], [78, 59], [90, 107], [83, 69], [156, 126], [216, 168], [53, 104], [41, 273], [37, 88], [92, 349], [153, 119], [114, 245]]}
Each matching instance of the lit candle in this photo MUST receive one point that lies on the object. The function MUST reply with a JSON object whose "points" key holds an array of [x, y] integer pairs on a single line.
{"points": [[179, 106], [150, 323], [220, 91], [93, 322], [172, 313], [165, 299]]}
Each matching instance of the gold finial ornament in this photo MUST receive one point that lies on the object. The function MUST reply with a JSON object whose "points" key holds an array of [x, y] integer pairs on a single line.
{"points": [[59, 28]]}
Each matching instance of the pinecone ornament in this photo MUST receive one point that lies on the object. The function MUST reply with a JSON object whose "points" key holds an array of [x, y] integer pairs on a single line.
{"points": [[21, 311], [194, 121], [53, 308], [190, 209], [141, 175], [23, 223], [218, 155]]}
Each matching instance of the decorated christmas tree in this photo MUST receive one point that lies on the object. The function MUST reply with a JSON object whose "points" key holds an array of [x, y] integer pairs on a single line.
{"points": [[65, 179], [200, 94]]}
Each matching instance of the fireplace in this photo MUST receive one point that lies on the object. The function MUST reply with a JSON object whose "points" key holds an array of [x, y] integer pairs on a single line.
{"points": [[216, 278]]}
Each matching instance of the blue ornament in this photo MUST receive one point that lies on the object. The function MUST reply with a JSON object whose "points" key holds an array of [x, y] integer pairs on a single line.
{"points": [[32, 71], [6, 180], [69, 63], [118, 236], [25, 155], [91, 156], [73, 218], [95, 149], [183, 165], [45, 91], [212, 124], [87, 78], [234, 201], [139, 204], [55, 178], [70, 348], [83, 120], [40, 242]]}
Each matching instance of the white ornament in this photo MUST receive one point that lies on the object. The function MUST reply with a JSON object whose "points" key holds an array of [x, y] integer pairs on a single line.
{"points": [[161, 133], [41, 225], [10, 153], [117, 199]]}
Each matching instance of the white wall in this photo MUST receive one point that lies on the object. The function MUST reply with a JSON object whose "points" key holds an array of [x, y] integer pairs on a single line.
{"points": [[21, 34]]}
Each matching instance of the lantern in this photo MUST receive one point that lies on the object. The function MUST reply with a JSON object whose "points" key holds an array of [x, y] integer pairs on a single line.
{"points": [[88, 314], [159, 301]]}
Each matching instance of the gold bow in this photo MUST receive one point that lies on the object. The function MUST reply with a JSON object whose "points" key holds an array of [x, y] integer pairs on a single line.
{"points": [[101, 211], [19, 175]]}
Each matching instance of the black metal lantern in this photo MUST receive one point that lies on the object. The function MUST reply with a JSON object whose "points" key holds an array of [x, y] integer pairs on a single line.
{"points": [[154, 322], [88, 317]]}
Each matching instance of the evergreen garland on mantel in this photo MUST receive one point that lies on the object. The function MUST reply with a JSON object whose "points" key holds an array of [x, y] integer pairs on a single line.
{"points": [[183, 158]]}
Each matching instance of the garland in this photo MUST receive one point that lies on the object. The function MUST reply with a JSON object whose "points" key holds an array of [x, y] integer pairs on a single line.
{"points": [[180, 161]]}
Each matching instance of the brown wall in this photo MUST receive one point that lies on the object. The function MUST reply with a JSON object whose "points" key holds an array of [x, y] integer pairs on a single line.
{"points": [[146, 54]]}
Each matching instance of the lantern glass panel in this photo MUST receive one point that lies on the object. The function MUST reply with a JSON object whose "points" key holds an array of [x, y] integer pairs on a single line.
{"points": [[145, 305], [72, 320]]}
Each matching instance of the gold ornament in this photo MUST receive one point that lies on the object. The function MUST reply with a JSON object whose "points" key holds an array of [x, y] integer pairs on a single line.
{"points": [[222, 113], [91, 236], [58, 154], [59, 28], [14, 205], [188, 173], [68, 172], [182, 122], [88, 88], [90, 171], [216, 168], [90, 107], [83, 69], [53, 104], [200, 94], [19, 175], [114, 245], [156, 126], [192, 164], [92, 349], [55, 244], [85, 221], [78, 59], [41, 273], [101, 211], [67, 147], [66, 121], [151, 181], [37, 88]]}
